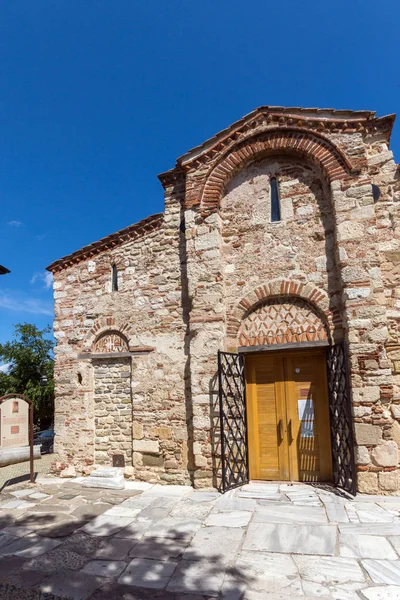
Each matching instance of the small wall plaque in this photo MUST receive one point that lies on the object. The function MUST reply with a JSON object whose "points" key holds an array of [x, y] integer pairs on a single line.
{"points": [[118, 460]]}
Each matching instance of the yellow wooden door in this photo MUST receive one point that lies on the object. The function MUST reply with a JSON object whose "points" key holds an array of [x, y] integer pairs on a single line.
{"points": [[288, 416], [266, 418]]}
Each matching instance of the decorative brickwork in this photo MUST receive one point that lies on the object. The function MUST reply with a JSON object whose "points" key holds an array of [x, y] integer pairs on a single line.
{"points": [[281, 320], [314, 147], [111, 342]]}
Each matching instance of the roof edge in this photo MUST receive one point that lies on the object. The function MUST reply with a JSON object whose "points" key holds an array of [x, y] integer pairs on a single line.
{"points": [[132, 232], [343, 118]]}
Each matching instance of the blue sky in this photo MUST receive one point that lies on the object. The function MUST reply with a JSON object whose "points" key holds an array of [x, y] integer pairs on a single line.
{"points": [[97, 98]]}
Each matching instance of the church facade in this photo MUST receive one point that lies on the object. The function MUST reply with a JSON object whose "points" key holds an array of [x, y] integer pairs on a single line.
{"points": [[251, 330]]}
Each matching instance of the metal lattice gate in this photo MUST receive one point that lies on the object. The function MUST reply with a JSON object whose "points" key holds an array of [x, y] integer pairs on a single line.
{"points": [[344, 472], [233, 424]]}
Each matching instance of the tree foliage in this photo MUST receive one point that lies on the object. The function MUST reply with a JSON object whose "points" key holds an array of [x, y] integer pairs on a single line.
{"points": [[31, 369]]}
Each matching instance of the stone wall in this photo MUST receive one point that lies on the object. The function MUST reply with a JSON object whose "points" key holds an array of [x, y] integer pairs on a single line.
{"points": [[147, 310], [112, 410]]}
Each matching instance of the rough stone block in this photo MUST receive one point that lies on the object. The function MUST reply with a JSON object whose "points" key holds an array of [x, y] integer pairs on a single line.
{"points": [[367, 483], [389, 481], [366, 434], [147, 446], [386, 455]]}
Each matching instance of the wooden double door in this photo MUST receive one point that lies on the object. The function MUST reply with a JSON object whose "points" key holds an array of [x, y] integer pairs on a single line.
{"points": [[288, 416]]}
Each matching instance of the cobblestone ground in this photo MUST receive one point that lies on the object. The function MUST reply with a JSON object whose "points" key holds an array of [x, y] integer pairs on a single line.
{"points": [[11, 474], [259, 542]]}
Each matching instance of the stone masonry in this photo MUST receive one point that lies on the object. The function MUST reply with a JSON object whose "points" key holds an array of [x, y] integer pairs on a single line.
{"points": [[213, 273]]}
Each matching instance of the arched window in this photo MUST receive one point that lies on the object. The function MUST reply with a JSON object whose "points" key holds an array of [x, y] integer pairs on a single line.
{"points": [[114, 278], [275, 203]]}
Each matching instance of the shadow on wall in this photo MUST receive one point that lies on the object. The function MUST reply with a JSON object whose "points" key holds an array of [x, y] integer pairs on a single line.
{"points": [[140, 569]]}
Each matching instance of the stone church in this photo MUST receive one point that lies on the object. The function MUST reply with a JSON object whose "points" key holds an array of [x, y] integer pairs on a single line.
{"points": [[251, 331]]}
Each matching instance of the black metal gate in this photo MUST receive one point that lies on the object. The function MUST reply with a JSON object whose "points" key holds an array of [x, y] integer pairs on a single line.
{"points": [[344, 472], [233, 424]]}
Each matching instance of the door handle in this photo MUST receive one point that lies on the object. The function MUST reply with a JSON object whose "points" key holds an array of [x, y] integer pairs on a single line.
{"points": [[290, 435], [280, 428]]}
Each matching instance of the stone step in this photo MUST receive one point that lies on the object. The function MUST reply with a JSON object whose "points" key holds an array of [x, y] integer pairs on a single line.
{"points": [[107, 472], [113, 483]]}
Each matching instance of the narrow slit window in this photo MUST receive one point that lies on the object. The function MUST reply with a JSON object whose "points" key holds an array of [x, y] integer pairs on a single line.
{"points": [[114, 281], [275, 203]]}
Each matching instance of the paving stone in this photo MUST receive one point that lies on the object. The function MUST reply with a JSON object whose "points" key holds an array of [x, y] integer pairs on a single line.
{"points": [[61, 529], [114, 548], [395, 541], [39, 496], [104, 568], [370, 528], [202, 576], [366, 546], [57, 560], [82, 543], [90, 511], [329, 570], [372, 513], [388, 592], [220, 544], [134, 530], [23, 493], [204, 496], [318, 590], [6, 539], [17, 504], [106, 526], [259, 494], [174, 527], [137, 502], [168, 491], [17, 530], [122, 511], [27, 579], [154, 513], [142, 572], [139, 486], [43, 545], [158, 548], [289, 514], [293, 538], [237, 518], [267, 573], [75, 586], [336, 513], [194, 510], [19, 544], [10, 565], [227, 503], [383, 571]]}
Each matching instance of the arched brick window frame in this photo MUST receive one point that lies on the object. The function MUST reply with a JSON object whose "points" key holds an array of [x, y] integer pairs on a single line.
{"points": [[316, 297], [310, 145], [104, 326]]}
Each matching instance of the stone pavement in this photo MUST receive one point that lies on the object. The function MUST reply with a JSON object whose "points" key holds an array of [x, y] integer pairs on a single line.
{"points": [[259, 542]]}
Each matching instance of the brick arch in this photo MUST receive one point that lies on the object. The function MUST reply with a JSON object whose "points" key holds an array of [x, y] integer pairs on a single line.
{"points": [[104, 326], [310, 145], [318, 299]]}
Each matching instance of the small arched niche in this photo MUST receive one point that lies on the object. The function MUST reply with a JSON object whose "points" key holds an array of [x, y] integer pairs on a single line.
{"points": [[282, 320], [110, 341]]}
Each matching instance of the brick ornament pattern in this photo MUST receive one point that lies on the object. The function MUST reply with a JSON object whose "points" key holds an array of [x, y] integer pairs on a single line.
{"points": [[281, 320], [111, 342]]}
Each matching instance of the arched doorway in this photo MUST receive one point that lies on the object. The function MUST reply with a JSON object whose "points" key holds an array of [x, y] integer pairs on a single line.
{"points": [[284, 398]]}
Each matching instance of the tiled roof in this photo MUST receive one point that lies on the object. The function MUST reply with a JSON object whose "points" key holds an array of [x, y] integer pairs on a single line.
{"points": [[132, 232]]}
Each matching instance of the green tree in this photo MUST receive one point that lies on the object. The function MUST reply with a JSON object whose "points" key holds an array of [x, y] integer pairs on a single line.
{"points": [[31, 369]]}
